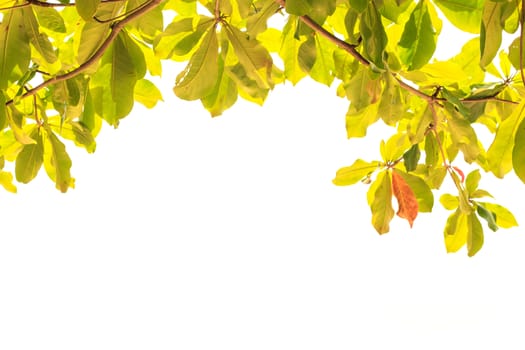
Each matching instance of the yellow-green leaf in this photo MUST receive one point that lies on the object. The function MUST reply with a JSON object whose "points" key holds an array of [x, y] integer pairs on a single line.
{"points": [[147, 93], [200, 75], [418, 41], [504, 218], [351, 174], [29, 160], [57, 162], [380, 200], [499, 154]]}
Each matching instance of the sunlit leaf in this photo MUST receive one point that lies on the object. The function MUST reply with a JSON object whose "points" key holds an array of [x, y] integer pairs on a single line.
{"points": [[500, 151], [380, 200], [30, 159], [354, 173], [504, 218], [418, 41], [200, 75], [374, 36]]}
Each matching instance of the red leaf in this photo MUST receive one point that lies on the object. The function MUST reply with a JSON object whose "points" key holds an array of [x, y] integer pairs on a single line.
{"points": [[460, 173], [406, 199]]}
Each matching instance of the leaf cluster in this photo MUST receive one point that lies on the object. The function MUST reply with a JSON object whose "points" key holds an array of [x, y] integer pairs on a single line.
{"points": [[67, 68]]}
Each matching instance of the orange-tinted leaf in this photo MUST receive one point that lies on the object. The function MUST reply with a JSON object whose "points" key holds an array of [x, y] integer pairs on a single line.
{"points": [[406, 199]]}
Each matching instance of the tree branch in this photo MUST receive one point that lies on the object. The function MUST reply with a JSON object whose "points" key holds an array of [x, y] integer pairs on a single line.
{"points": [[115, 30]]}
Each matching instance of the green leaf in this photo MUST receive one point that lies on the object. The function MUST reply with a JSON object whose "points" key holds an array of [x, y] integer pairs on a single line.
{"points": [[3, 111], [432, 156], [424, 196], [419, 125], [255, 59], [418, 41], [411, 158], [504, 217], [57, 162], [374, 35], [354, 173], [380, 200], [464, 14], [147, 93], [463, 136], [289, 53], [50, 18], [518, 152], [490, 32], [362, 90], [475, 234], [449, 201], [357, 122], [395, 147], [456, 231], [499, 154], [39, 41], [29, 160], [224, 94], [359, 5], [392, 101], [93, 33], [488, 216], [472, 181], [122, 79], [15, 52], [87, 9], [6, 180], [200, 75], [322, 70], [257, 23], [307, 54]]}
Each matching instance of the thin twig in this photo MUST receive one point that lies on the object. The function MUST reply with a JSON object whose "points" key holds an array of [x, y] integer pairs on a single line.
{"points": [[115, 30]]}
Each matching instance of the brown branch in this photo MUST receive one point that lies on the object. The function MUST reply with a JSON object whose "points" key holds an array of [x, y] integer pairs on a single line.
{"points": [[115, 30]]}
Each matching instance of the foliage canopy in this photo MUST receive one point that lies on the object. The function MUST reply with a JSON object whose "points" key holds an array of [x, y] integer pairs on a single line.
{"points": [[68, 67]]}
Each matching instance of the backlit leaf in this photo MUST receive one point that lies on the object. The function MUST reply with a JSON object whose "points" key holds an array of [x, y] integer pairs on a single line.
{"points": [[488, 216], [500, 151], [147, 93], [15, 52], [380, 200], [374, 36], [418, 42], [354, 173], [424, 196], [255, 59], [408, 207], [456, 231], [200, 75], [87, 9], [29, 160], [464, 14], [475, 234], [518, 152], [504, 218], [57, 162]]}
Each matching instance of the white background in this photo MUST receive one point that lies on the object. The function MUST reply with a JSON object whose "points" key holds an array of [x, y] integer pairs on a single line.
{"points": [[186, 232]]}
